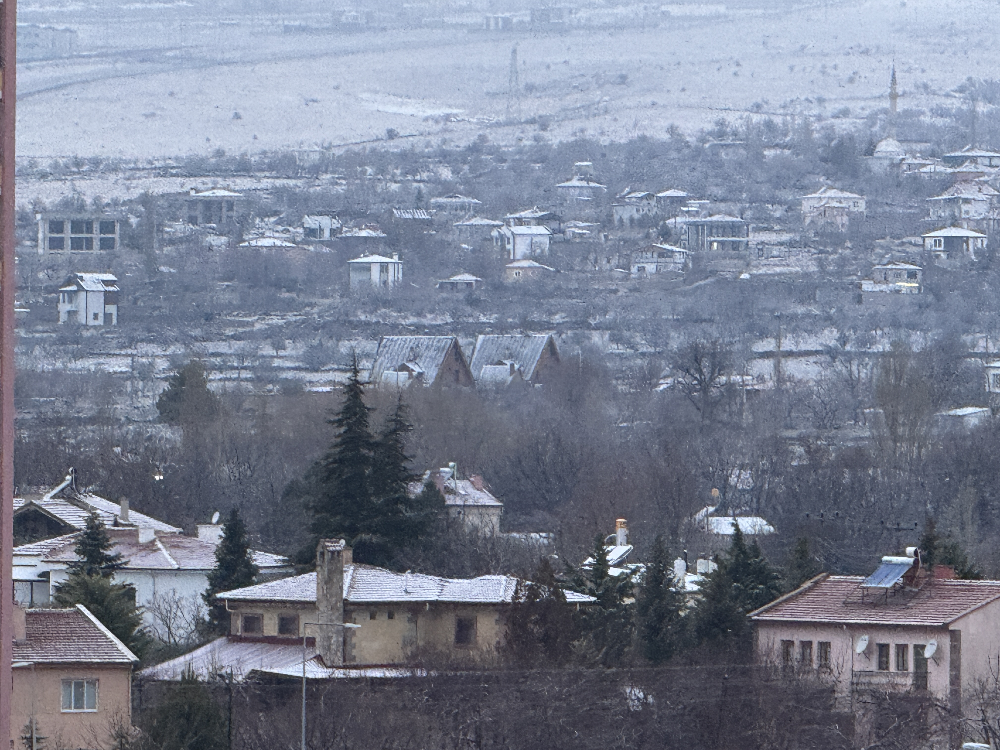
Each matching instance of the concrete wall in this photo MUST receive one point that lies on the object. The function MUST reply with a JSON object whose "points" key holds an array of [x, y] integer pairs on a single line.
{"points": [[38, 694]]}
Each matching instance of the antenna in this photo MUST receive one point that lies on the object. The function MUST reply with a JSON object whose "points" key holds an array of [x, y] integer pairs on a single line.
{"points": [[861, 645], [513, 87], [215, 517], [930, 649]]}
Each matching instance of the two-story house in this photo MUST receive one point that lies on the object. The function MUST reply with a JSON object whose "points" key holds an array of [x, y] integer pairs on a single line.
{"points": [[833, 207], [535, 356], [467, 501], [952, 243], [899, 277], [375, 271], [89, 299], [60, 232]]}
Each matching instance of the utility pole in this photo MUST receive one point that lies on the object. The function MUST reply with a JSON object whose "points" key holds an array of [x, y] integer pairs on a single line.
{"points": [[513, 88], [8, 99]]}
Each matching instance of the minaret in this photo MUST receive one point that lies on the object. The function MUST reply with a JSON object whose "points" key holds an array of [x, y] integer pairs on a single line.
{"points": [[893, 103]]}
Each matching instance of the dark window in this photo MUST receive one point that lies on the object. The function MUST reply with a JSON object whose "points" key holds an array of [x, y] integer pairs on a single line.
{"points": [[288, 625], [883, 657], [81, 243], [79, 226], [373, 615], [57, 243], [823, 654], [911, 275], [806, 653], [97, 317], [902, 657], [312, 233], [107, 243], [787, 648], [57, 227], [390, 615], [252, 625], [107, 227], [230, 205], [465, 631], [919, 667]]}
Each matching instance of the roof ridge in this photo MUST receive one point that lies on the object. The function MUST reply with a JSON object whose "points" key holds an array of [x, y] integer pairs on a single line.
{"points": [[800, 590]]}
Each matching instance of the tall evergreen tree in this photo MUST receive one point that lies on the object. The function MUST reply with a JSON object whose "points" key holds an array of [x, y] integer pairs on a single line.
{"points": [[607, 627], [802, 566], [935, 550], [234, 568], [90, 583], [186, 398], [660, 607], [540, 627]]}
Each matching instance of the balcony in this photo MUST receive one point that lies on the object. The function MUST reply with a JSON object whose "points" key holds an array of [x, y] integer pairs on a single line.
{"points": [[895, 682]]}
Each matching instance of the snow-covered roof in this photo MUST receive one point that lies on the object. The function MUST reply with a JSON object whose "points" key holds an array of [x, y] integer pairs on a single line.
{"points": [[966, 411], [267, 242], [530, 213], [899, 266], [581, 182], [717, 218], [91, 282], [419, 354], [971, 152], [529, 264], [458, 492], [523, 350], [74, 509], [672, 193], [369, 259], [365, 584], [455, 200], [317, 221], [530, 230], [415, 214], [954, 232], [214, 193], [723, 524], [967, 189], [476, 221], [366, 232], [829, 192], [462, 278], [890, 148]]}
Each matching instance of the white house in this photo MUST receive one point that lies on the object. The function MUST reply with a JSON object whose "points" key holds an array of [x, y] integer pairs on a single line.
{"points": [[320, 227], [522, 242], [658, 258], [375, 271], [832, 206], [462, 282], [89, 299], [526, 270], [631, 205], [978, 156], [901, 278], [951, 242], [964, 201]]}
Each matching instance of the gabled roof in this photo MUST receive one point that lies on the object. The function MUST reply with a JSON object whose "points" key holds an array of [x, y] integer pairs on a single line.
{"points": [[835, 599], [529, 264], [829, 192], [954, 232], [231, 656], [524, 351], [899, 266], [214, 193], [365, 584], [971, 152], [461, 278], [425, 354], [476, 221], [581, 182], [529, 230], [91, 282], [671, 193], [530, 213], [69, 636], [163, 552], [457, 492], [455, 200], [74, 510], [967, 189], [267, 242], [369, 259]]}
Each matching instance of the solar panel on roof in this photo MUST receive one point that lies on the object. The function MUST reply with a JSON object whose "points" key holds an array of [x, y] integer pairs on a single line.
{"points": [[888, 574]]}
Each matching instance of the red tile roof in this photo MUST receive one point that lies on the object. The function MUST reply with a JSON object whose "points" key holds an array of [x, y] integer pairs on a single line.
{"points": [[64, 636], [837, 599]]}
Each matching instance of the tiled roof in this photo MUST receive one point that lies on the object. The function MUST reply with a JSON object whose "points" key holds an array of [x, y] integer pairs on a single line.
{"points": [[163, 552], [63, 636], [523, 351], [74, 512], [460, 492], [364, 584], [837, 599], [427, 353], [225, 656]]}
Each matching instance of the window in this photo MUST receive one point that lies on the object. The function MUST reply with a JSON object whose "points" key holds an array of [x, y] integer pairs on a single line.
{"points": [[107, 227], [883, 657], [57, 243], [912, 275], [97, 317], [919, 667], [823, 654], [80, 226], [107, 243], [81, 243], [79, 695], [373, 614], [996, 380], [902, 657], [938, 243], [252, 625], [465, 631], [786, 652], [390, 615], [806, 653], [288, 624], [57, 227]]}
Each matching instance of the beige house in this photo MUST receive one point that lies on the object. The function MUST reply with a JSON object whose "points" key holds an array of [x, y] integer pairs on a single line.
{"points": [[72, 679], [903, 629], [831, 206], [349, 619], [467, 501]]}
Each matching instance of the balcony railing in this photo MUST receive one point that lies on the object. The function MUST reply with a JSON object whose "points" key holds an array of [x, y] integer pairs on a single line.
{"points": [[897, 682]]}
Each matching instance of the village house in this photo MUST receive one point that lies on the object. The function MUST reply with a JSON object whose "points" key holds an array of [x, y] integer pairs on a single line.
{"points": [[901, 278], [972, 205], [468, 502], [580, 193], [76, 232], [670, 201], [526, 270], [715, 233], [462, 282], [631, 205], [532, 217], [830, 206], [534, 356], [904, 630], [523, 242], [410, 218], [216, 206], [475, 228], [971, 154], [658, 258], [72, 680], [89, 299], [375, 271], [320, 227], [364, 236], [402, 361], [460, 205], [951, 243], [349, 616]]}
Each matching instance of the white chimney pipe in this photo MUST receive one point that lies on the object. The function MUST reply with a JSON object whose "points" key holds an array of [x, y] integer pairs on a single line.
{"points": [[621, 532], [210, 532], [146, 534], [123, 511]]}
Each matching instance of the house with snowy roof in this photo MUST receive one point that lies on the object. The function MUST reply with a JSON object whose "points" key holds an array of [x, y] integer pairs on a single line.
{"points": [[460, 282], [970, 204], [897, 277], [658, 258], [402, 361], [904, 629], [531, 217], [973, 154], [535, 356], [89, 299], [831, 206], [72, 679], [218, 206], [455, 203], [952, 243], [669, 201], [631, 205], [526, 270], [355, 620], [320, 227], [714, 233], [468, 502], [523, 242], [376, 271]]}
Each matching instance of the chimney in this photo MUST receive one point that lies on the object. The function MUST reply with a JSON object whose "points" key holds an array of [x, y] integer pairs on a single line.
{"points": [[210, 532], [331, 556], [680, 569], [621, 532], [20, 623], [477, 482], [123, 511], [146, 534]]}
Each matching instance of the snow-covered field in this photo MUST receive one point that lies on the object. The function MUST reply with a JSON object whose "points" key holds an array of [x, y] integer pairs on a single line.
{"points": [[244, 86]]}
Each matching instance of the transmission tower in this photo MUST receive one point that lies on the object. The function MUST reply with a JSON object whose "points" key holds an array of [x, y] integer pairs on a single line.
{"points": [[513, 88]]}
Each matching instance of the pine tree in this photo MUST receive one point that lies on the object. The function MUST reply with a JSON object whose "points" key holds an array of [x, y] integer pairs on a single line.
{"points": [[188, 719], [234, 568], [90, 583], [606, 627], [540, 629], [802, 566], [935, 550], [755, 583], [660, 607], [187, 398]]}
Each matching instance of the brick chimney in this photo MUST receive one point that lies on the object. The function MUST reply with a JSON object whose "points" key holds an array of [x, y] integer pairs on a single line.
{"points": [[331, 556]]}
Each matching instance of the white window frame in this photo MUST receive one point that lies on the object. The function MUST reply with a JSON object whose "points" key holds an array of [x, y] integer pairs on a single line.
{"points": [[83, 685]]}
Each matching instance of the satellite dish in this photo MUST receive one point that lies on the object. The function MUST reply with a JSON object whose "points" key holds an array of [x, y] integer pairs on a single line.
{"points": [[930, 649], [861, 645], [215, 517]]}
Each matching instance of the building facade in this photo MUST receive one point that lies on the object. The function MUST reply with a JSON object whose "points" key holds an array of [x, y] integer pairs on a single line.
{"points": [[89, 299]]}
